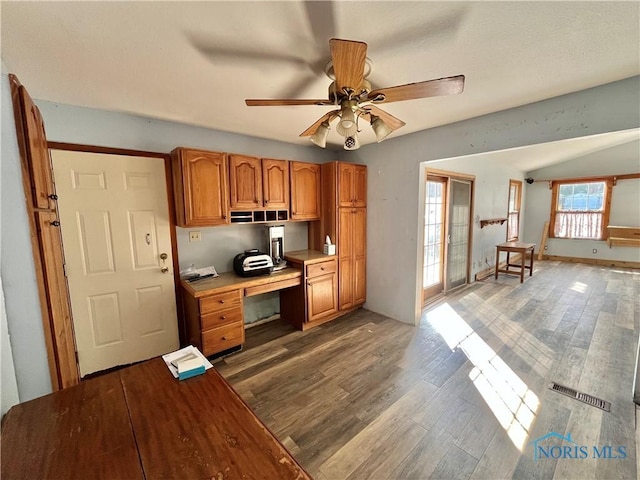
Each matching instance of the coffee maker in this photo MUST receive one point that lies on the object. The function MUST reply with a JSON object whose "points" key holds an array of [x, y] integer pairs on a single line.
{"points": [[275, 234]]}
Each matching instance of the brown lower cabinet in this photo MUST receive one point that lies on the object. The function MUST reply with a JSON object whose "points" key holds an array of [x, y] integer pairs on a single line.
{"points": [[315, 300], [215, 322]]}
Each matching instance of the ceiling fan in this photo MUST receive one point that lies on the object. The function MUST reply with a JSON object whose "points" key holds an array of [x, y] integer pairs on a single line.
{"points": [[354, 97]]}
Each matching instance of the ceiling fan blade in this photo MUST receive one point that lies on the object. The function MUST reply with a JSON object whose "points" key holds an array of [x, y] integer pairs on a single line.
{"points": [[411, 91], [393, 122], [312, 129], [256, 102], [348, 59]]}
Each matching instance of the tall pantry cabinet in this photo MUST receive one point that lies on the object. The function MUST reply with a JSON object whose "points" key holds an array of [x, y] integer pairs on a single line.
{"points": [[344, 220]]}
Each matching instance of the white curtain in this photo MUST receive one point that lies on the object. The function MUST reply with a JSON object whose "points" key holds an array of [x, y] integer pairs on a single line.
{"points": [[578, 225]]}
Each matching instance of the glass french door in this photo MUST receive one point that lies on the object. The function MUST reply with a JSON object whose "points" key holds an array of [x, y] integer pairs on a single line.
{"points": [[447, 222], [458, 233], [434, 239]]}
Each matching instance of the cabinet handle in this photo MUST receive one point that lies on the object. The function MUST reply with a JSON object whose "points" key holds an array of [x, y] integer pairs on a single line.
{"points": [[55, 223], [309, 283], [53, 196], [221, 301], [223, 317], [224, 338], [266, 201], [322, 268], [293, 213]]}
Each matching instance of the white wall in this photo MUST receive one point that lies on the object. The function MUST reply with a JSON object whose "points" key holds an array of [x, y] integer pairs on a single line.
{"points": [[395, 180], [625, 201]]}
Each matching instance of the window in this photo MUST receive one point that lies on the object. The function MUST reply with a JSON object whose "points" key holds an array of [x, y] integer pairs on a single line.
{"points": [[513, 218], [580, 209]]}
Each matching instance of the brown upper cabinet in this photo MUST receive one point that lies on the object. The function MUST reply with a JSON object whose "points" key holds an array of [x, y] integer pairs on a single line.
{"points": [[352, 186], [305, 191], [245, 182], [200, 185], [255, 183], [275, 180]]}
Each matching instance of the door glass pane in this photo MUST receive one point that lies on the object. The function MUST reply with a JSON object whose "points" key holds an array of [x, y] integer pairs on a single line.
{"points": [[433, 245], [460, 204]]}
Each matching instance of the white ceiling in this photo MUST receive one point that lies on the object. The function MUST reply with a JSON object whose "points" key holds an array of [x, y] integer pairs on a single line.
{"points": [[196, 62]]}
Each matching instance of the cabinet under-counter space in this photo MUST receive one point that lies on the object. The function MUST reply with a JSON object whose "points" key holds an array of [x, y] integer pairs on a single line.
{"points": [[214, 311], [315, 300]]}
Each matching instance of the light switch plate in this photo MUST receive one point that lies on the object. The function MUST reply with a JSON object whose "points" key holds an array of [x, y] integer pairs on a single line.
{"points": [[195, 236]]}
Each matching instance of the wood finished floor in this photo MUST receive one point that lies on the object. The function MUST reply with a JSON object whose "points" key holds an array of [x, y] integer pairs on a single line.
{"points": [[367, 397]]}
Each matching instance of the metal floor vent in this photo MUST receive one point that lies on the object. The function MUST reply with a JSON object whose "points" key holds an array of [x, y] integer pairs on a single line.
{"points": [[583, 397]]}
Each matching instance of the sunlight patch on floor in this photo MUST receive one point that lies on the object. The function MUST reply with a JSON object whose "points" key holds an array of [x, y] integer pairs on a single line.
{"points": [[579, 287], [512, 402]]}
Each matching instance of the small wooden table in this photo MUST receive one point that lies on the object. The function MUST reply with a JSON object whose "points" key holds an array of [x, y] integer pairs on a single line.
{"points": [[140, 422], [516, 247]]}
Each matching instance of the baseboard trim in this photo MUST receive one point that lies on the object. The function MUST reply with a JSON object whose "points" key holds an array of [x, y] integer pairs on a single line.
{"points": [[593, 261]]}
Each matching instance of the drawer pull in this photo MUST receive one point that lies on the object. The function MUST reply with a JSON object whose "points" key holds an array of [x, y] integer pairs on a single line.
{"points": [[322, 268], [224, 338], [221, 301], [223, 317]]}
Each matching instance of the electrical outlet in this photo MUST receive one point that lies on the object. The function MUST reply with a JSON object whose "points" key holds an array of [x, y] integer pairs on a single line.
{"points": [[195, 236], [595, 250]]}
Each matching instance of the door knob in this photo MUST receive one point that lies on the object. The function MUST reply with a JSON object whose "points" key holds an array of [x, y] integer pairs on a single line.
{"points": [[164, 269], [163, 256]]}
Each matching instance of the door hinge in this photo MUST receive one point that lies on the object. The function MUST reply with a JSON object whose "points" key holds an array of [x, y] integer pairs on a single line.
{"points": [[64, 269], [77, 358]]}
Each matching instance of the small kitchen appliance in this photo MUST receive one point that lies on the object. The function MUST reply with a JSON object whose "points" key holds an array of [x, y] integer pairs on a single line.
{"points": [[252, 262], [275, 234]]}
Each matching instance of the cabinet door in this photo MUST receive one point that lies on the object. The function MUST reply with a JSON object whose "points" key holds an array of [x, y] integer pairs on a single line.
{"points": [[37, 153], [275, 178], [359, 256], [322, 296], [58, 295], [345, 257], [245, 182], [346, 173], [360, 186], [203, 197], [305, 191]]}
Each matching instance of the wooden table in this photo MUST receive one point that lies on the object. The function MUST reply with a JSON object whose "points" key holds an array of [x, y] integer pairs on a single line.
{"points": [[516, 247], [140, 422]]}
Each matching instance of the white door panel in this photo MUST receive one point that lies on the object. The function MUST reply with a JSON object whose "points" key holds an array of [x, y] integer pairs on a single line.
{"points": [[115, 227]]}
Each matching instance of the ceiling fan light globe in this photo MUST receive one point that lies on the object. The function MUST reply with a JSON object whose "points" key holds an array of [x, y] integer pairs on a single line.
{"points": [[320, 137], [380, 128], [347, 128]]}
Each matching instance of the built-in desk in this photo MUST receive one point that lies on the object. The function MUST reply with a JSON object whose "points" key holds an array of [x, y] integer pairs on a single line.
{"points": [[214, 311], [141, 422]]}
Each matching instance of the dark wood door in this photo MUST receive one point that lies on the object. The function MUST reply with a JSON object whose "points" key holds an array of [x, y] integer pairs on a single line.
{"points": [[37, 153], [45, 237]]}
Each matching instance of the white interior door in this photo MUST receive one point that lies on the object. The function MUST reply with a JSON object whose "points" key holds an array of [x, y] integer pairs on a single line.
{"points": [[115, 229]]}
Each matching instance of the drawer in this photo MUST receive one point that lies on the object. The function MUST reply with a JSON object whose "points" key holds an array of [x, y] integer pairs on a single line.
{"points": [[221, 338], [223, 317], [322, 268], [220, 301]]}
